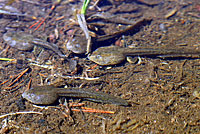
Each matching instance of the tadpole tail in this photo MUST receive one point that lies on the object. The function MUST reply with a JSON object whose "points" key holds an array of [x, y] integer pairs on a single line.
{"points": [[162, 52], [95, 96]]}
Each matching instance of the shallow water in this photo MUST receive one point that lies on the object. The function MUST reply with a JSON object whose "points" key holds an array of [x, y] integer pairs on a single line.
{"points": [[160, 91]]}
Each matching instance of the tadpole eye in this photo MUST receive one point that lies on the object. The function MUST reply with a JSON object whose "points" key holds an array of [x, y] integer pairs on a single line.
{"points": [[98, 57], [78, 46]]}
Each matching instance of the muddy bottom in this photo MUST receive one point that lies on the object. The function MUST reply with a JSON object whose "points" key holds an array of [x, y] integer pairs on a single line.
{"points": [[163, 93]]}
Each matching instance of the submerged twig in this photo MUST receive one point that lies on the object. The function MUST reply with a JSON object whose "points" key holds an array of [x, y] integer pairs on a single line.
{"points": [[19, 76], [76, 77], [25, 112]]}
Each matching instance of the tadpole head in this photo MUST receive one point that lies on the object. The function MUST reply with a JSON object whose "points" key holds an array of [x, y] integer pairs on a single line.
{"points": [[77, 45], [106, 56], [19, 40], [40, 97]]}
